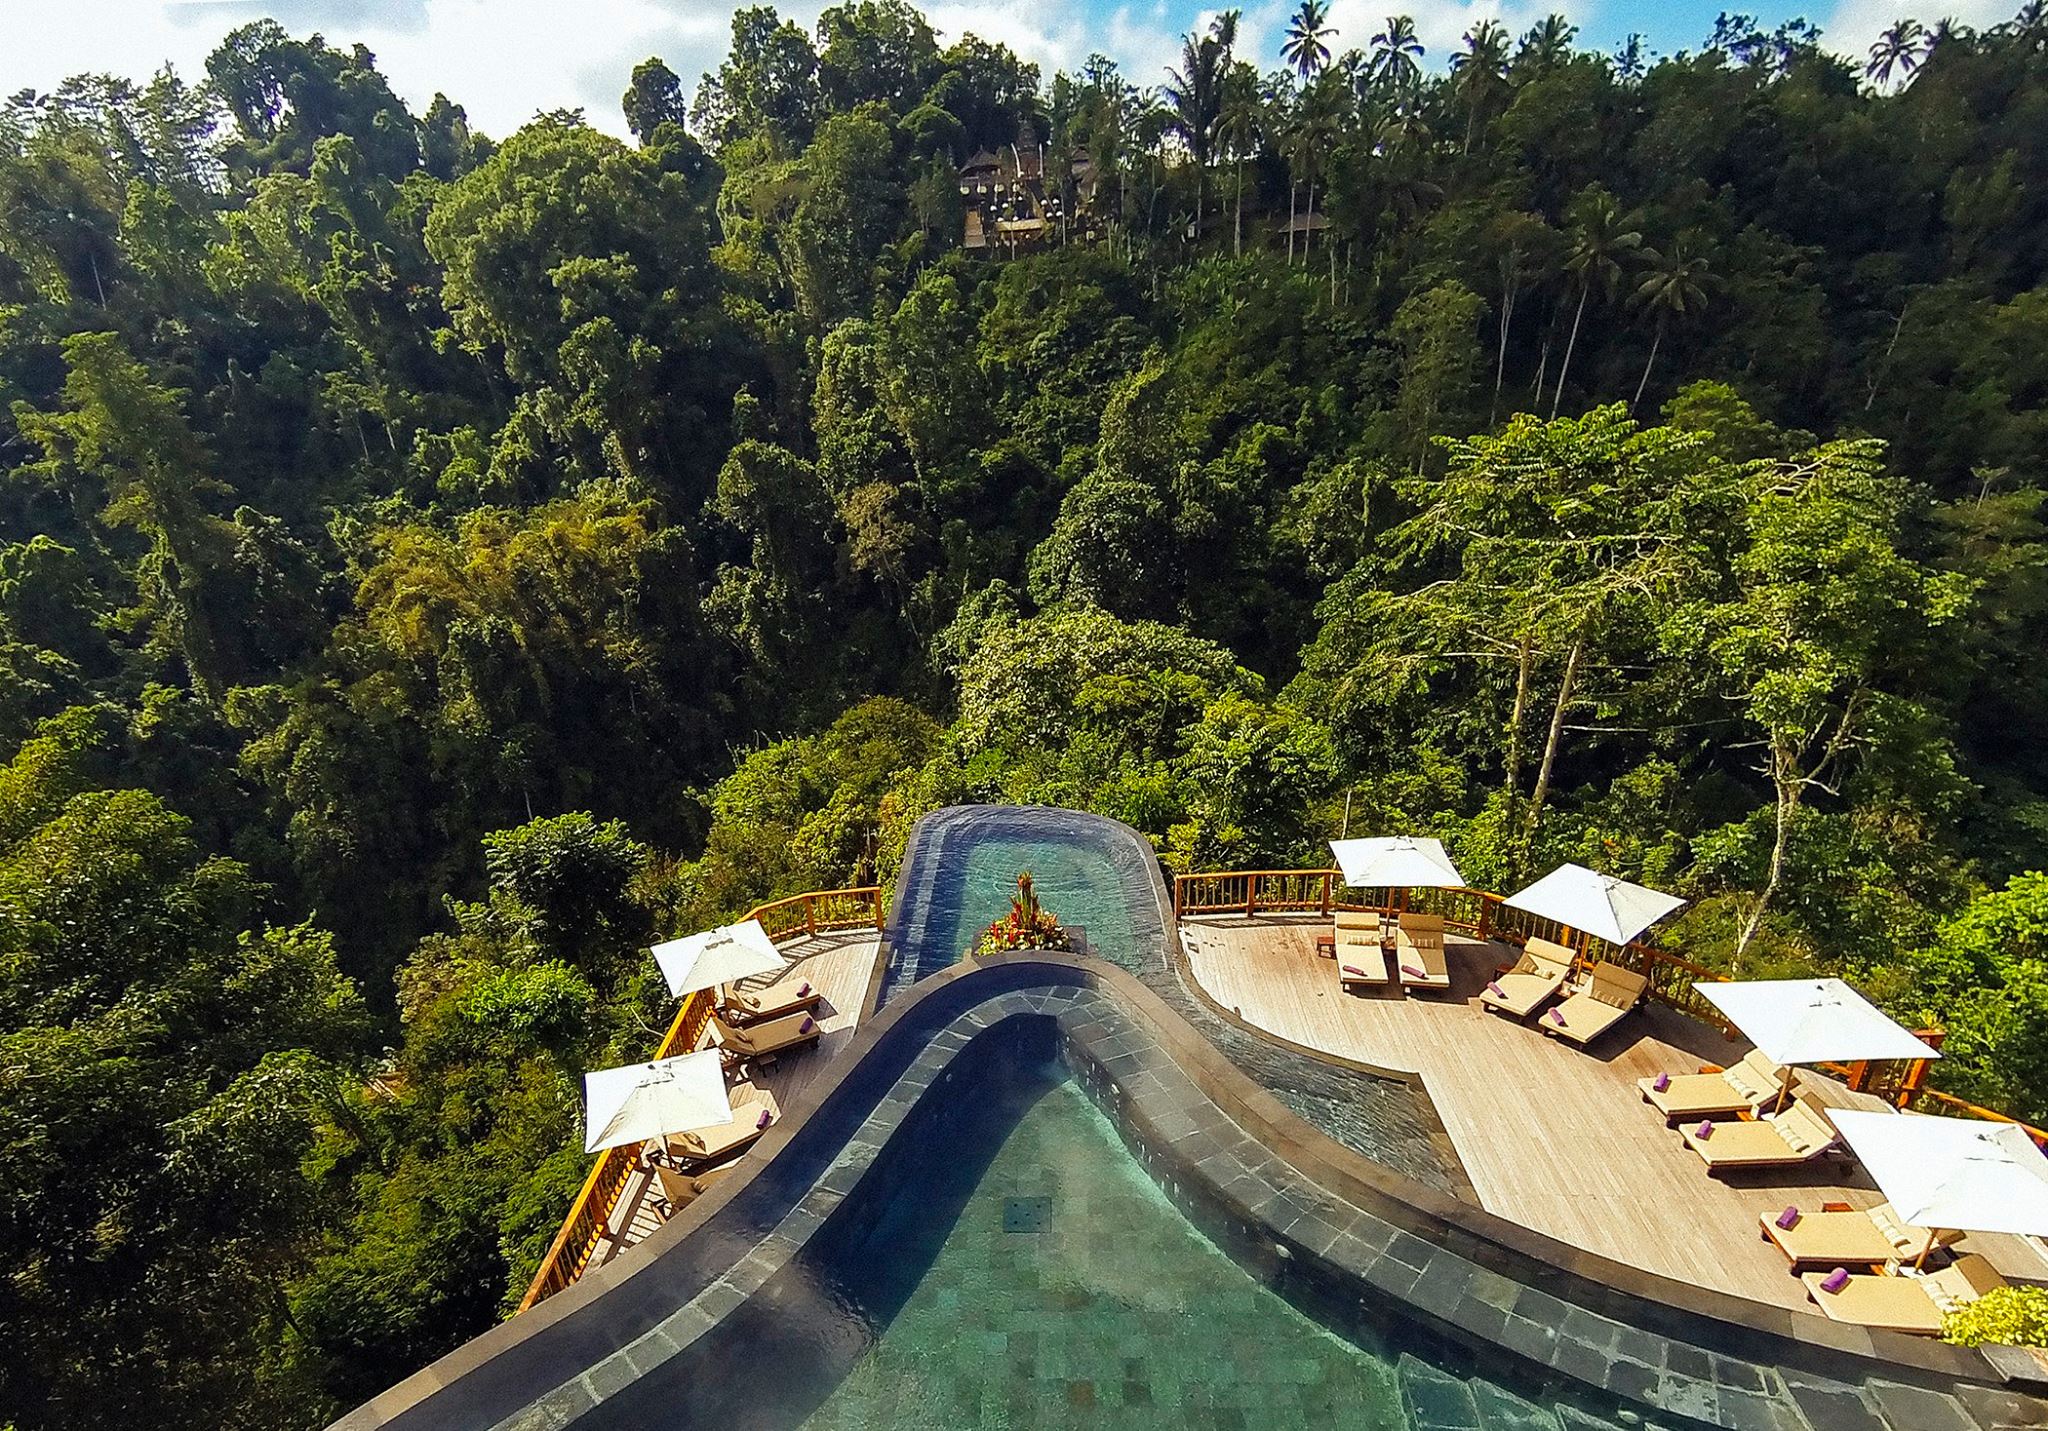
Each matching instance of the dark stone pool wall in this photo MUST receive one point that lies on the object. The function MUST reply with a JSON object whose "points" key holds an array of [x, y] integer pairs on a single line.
{"points": [[1562, 1339]]}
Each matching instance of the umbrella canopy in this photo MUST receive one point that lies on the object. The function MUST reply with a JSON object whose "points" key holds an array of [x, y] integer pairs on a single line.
{"points": [[648, 1100], [1952, 1172], [717, 956], [1398, 861], [1597, 904], [1811, 1021]]}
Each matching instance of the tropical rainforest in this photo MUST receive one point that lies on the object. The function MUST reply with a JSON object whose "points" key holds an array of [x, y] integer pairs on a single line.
{"points": [[433, 565]]}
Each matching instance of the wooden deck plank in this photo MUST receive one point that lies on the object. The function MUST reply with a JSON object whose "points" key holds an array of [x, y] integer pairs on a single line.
{"points": [[839, 966], [1553, 1137]]}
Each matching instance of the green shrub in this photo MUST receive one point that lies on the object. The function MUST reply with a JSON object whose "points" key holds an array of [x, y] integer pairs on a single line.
{"points": [[2010, 1316]]}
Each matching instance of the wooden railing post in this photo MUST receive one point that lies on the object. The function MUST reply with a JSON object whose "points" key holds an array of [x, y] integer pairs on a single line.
{"points": [[1251, 895], [1328, 882], [811, 915]]}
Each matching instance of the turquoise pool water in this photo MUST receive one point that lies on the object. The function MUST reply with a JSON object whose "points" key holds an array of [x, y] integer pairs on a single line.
{"points": [[966, 878], [1068, 1291]]}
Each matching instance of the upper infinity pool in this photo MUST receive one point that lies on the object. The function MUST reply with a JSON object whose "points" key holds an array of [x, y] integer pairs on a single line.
{"points": [[960, 877]]}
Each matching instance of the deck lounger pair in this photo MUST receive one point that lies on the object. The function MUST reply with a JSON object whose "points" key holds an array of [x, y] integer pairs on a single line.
{"points": [[1360, 958], [1836, 1236], [793, 995], [1539, 973], [1798, 1135], [741, 1042], [1598, 1002], [1909, 1302], [1743, 1088], [1419, 952], [754, 1112]]}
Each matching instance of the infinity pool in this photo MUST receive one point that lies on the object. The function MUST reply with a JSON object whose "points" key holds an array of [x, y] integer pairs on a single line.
{"points": [[964, 879]]}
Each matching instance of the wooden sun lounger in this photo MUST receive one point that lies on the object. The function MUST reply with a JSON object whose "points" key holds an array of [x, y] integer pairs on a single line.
{"points": [[1840, 1237], [765, 1039], [1539, 973], [704, 1145], [1777, 1140], [1743, 1088], [1359, 965], [1419, 952], [1905, 1303], [792, 995], [675, 1191], [1599, 1002]]}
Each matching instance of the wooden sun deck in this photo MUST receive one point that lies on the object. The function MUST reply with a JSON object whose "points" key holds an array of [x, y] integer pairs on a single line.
{"points": [[840, 967], [1553, 1137]]}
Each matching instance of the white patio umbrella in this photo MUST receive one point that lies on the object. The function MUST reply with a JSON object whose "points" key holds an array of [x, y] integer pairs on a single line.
{"points": [[1811, 1021], [650, 1100], [1952, 1172], [1397, 861], [717, 956], [1593, 903]]}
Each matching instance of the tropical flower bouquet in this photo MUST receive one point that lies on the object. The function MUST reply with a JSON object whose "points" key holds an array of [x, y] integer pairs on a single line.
{"points": [[1026, 926]]}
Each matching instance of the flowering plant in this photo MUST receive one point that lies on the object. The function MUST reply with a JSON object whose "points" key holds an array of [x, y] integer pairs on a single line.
{"points": [[1026, 926]]}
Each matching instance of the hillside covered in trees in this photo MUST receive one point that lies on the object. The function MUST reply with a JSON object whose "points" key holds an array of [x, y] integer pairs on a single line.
{"points": [[433, 564]]}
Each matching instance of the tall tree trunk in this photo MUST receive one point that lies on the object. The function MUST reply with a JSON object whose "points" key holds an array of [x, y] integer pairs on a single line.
{"points": [[1654, 342], [1551, 742], [1785, 778], [1511, 759], [1566, 366], [1237, 225], [1507, 315], [1886, 365], [1293, 193]]}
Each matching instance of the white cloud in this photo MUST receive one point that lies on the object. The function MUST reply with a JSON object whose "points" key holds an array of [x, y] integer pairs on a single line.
{"points": [[1854, 24], [1439, 24]]}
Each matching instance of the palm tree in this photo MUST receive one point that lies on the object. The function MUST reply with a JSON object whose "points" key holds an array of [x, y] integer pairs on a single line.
{"points": [[1239, 126], [1304, 47], [1944, 30], [1317, 121], [1476, 71], [1397, 54], [1601, 236], [1548, 43], [1675, 287], [1896, 49], [1194, 95]]}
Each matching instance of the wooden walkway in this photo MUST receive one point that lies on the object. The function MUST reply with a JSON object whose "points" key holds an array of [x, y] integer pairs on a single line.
{"points": [[839, 966], [1553, 1137]]}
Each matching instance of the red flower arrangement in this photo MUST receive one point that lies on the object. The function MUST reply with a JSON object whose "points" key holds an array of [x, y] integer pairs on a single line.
{"points": [[1026, 926]]}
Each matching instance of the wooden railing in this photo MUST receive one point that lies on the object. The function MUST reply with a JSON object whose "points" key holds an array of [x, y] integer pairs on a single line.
{"points": [[1484, 915], [1962, 1108], [588, 1225]]}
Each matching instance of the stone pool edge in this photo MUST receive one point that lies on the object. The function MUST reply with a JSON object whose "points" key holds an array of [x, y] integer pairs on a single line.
{"points": [[1671, 1349]]}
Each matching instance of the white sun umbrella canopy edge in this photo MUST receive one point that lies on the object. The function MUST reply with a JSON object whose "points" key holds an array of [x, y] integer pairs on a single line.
{"points": [[1602, 905], [711, 957], [638, 1101], [1812, 1021], [1963, 1173], [1396, 862]]}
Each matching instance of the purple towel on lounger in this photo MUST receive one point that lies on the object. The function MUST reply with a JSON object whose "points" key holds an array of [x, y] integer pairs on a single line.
{"points": [[803, 990], [1705, 1130], [1353, 969], [1663, 1082], [1835, 1281], [1556, 1016], [1498, 991], [807, 1025], [1788, 1219], [1411, 969], [764, 1120]]}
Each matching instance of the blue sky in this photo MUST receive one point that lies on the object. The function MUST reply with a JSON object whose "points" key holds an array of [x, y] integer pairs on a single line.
{"points": [[506, 59]]}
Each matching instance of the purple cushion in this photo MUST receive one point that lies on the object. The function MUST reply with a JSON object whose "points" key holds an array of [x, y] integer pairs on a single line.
{"points": [[765, 1119], [1354, 969], [1789, 1218], [1663, 1082], [1556, 1016], [1835, 1281], [807, 1025], [803, 990], [1411, 969], [1498, 991], [1704, 1131]]}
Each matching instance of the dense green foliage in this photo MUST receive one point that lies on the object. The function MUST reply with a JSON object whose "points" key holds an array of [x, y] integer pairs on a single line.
{"points": [[431, 567]]}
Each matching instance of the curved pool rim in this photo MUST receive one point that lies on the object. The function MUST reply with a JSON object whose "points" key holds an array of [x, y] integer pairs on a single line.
{"points": [[1454, 1268]]}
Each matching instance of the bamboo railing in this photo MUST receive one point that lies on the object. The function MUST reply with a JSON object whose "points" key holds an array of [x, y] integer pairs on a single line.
{"points": [[588, 1226], [1487, 916]]}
